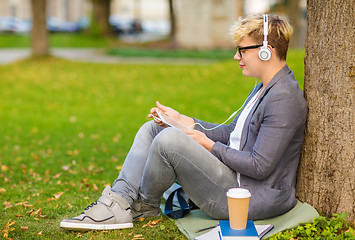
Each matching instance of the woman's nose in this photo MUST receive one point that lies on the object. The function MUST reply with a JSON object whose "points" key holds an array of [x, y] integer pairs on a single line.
{"points": [[237, 56]]}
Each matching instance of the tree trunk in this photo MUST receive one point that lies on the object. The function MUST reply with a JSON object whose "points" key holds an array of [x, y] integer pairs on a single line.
{"points": [[40, 42], [326, 176], [100, 25]]}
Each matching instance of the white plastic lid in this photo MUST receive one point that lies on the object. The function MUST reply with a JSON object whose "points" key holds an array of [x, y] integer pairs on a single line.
{"points": [[238, 193]]}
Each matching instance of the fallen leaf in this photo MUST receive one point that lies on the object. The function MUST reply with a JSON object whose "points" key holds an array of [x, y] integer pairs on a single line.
{"points": [[2, 190], [24, 228], [156, 222], [36, 212], [22, 203], [4, 168], [153, 223], [57, 175], [26, 205], [70, 206], [99, 170], [29, 212], [91, 167], [58, 195], [95, 187], [65, 168], [39, 234], [6, 229], [72, 119], [138, 236], [7, 204], [8, 224]]}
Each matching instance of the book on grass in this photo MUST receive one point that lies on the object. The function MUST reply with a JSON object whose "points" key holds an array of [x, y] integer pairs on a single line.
{"points": [[249, 233], [215, 233]]}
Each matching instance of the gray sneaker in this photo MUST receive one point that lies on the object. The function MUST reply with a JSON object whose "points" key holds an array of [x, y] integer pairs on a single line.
{"points": [[110, 212], [142, 210]]}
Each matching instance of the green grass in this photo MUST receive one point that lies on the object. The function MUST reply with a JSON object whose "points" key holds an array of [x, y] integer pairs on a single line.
{"points": [[66, 128], [147, 52], [56, 40]]}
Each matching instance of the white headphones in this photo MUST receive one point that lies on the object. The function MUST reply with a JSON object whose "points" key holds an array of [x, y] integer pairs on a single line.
{"points": [[265, 52]]}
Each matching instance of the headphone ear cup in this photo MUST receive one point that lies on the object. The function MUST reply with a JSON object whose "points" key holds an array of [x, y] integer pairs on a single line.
{"points": [[264, 53]]}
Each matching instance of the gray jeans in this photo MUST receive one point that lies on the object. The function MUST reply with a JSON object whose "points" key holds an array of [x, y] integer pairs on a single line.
{"points": [[159, 156]]}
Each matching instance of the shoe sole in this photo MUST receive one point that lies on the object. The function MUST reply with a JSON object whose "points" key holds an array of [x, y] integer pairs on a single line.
{"points": [[88, 226]]}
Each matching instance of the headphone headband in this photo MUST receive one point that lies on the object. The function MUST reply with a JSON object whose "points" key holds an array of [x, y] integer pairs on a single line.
{"points": [[266, 29], [265, 52]]}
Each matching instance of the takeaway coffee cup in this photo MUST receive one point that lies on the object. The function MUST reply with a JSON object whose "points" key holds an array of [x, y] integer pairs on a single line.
{"points": [[238, 206]]}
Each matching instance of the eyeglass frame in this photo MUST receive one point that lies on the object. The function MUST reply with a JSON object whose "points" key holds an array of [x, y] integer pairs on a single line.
{"points": [[248, 47]]}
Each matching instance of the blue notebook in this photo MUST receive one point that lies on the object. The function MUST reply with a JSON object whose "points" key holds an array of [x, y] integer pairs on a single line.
{"points": [[248, 233]]}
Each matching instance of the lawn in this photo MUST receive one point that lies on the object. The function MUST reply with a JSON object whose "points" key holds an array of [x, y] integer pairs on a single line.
{"points": [[55, 40], [66, 128]]}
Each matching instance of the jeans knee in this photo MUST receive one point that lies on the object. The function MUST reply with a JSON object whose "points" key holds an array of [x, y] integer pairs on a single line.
{"points": [[169, 139], [151, 128], [215, 210], [149, 125]]}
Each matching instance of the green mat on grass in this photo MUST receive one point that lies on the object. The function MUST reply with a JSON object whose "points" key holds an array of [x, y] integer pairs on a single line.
{"points": [[196, 220]]}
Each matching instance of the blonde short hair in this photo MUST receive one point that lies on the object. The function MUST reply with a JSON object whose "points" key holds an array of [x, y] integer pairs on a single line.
{"points": [[279, 35]]}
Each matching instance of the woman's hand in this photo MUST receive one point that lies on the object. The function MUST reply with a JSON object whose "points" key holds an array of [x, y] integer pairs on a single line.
{"points": [[201, 138], [173, 114]]}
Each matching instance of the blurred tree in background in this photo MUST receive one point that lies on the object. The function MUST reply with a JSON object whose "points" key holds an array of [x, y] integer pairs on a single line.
{"points": [[39, 34], [292, 9], [172, 20], [294, 14], [100, 25]]}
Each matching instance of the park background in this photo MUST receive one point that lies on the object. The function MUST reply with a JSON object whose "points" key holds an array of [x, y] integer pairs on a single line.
{"points": [[67, 125]]}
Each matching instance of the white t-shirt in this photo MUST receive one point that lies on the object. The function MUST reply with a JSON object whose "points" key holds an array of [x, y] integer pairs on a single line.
{"points": [[236, 135]]}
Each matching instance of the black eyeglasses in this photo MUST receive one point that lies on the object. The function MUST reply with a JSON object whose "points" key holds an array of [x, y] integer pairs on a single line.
{"points": [[240, 49]]}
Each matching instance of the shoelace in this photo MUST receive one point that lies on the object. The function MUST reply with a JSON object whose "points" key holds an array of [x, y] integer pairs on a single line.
{"points": [[91, 205]]}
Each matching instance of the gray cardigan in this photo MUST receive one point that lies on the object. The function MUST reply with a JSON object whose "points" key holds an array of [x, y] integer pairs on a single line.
{"points": [[270, 146]]}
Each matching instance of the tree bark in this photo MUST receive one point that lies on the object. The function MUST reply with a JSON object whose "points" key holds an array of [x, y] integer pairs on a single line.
{"points": [[100, 25], [39, 38], [326, 176]]}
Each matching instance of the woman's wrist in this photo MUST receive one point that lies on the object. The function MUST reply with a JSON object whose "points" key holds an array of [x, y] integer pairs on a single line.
{"points": [[187, 121]]}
